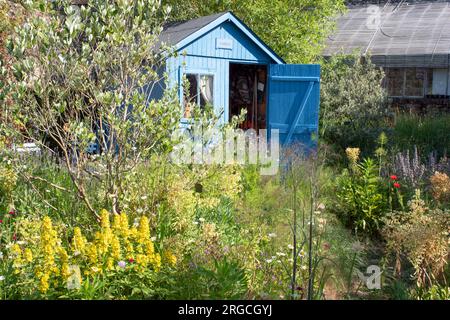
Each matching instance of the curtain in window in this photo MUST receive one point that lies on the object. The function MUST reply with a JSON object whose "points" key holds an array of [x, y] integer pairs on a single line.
{"points": [[206, 90]]}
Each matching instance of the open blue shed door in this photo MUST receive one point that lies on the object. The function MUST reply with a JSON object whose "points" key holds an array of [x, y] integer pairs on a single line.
{"points": [[294, 92]]}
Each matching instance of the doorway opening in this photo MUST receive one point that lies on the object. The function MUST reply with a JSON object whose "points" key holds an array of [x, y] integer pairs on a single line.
{"points": [[248, 85]]}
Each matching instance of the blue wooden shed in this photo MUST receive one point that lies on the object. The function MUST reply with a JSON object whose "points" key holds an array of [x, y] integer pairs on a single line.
{"points": [[227, 65]]}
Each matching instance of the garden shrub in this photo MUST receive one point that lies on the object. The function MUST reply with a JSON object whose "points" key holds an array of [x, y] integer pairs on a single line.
{"points": [[353, 104], [440, 187], [360, 199], [421, 236]]}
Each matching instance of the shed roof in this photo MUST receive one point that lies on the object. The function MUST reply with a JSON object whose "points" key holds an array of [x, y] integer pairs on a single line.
{"points": [[174, 32], [406, 28], [179, 34]]}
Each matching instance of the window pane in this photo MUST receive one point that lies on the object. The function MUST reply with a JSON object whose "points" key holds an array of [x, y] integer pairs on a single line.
{"points": [[192, 92], [395, 81], [414, 82], [206, 90], [190, 99]]}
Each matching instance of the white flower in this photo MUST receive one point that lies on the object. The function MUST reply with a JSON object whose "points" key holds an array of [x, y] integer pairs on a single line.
{"points": [[321, 206], [281, 254], [201, 219], [269, 260], [144, 197], [271, 235], [21, 242], [153, 239], [1, 255], [2, 278], [304, 267], [290, 246]]}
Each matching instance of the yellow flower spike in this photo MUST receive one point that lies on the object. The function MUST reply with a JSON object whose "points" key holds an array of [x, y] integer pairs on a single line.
{"points": [[142, 261], [43, 283], [157, 262], [18, 259], [15, 249], [120, 225], [65, 271], [104, 219], [115, 247], [91, 252], [149, 248], [28, 255], [49, 241], [110, 264], [116, 223], [129, 249], [170, 258], [78, 241], [144, 230]]}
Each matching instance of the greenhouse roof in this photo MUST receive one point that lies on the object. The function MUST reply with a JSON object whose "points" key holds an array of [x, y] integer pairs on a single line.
{"points": [[403, 28]]}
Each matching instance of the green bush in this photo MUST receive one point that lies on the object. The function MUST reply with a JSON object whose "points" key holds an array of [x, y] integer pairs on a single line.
{"points": [[353, 108], [429, 133], [361, 201]]}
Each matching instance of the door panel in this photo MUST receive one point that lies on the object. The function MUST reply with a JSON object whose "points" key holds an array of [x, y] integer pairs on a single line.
{"points": [[293, 109]]}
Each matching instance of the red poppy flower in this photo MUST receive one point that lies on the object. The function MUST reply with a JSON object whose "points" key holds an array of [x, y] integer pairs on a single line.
{"points": [[396, 185], [394, 177], [1, 221], [131, 260], [12, 212], [14, 237]]}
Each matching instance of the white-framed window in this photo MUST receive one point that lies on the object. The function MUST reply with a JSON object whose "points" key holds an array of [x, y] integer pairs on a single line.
{"points": [[200, 92]]}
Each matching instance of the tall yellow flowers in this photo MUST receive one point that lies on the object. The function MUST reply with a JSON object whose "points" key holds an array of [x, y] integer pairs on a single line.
{"points": [[78, 242], [48, 244], [115, 246]]}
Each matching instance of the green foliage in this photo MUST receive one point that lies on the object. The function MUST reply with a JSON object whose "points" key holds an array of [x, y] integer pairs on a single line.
{"points": [[353, 109], [78, 79], [435, 292], [296, 30], [429, 133], [223, 280], [360, 198]]}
